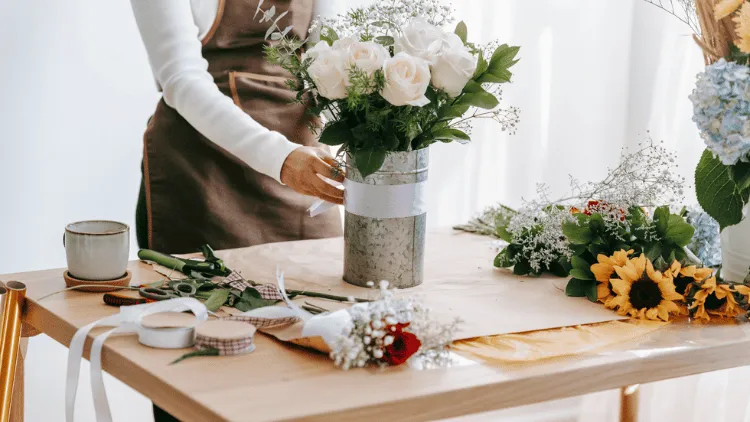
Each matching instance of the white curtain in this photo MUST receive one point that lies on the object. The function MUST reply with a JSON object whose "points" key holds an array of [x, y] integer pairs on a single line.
{"points": [[595, 76]]}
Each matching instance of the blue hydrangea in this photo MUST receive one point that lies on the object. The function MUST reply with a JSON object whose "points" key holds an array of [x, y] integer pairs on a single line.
{"points": [[706, 243], [721, 107]]}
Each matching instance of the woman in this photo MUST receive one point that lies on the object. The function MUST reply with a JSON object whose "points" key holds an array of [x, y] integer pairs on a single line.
{"points": [[225, 138]]}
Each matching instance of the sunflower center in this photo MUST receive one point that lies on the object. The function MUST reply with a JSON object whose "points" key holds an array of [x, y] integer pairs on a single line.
{"points": [[644, 293], [713, 303], [681, 283]]}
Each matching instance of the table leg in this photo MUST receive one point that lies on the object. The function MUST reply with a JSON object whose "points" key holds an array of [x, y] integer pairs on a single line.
{"points": [[629, 403], [16, 404]]}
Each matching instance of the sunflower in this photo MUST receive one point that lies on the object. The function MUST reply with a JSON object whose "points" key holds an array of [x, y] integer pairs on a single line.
{"points": [[714, 299], [642, 292], [683, 276], [603, 271], [726, 7], [742, 29]]}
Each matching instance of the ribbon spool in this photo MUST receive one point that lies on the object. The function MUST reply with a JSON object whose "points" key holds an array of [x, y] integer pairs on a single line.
{"points": [[167, 330], [227, 336]]}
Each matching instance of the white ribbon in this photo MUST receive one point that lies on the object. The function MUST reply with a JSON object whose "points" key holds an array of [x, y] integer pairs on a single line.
{"points": [[127, 321], [379, 201]]}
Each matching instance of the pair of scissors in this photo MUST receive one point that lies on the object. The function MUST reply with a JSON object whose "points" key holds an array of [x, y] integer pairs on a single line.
{"points": [[177, 290]]}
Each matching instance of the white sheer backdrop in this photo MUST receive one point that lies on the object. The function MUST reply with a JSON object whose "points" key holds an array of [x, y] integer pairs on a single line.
{"points": [[595, 75]]}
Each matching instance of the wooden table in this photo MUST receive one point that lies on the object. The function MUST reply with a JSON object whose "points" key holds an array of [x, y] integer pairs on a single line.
{"points": [[283, 382]]}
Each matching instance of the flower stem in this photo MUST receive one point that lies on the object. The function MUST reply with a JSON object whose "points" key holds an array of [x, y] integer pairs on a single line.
{"points": [[325, 296]]}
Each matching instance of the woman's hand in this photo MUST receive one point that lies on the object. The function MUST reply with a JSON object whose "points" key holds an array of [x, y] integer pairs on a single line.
{"points": [[301, 169]]}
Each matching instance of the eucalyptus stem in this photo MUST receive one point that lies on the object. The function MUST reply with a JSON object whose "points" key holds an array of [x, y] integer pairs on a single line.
{"points": [[326, 296]]}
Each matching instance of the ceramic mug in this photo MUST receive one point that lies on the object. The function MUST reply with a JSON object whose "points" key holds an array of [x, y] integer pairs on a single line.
{"points": [[97, 250]]}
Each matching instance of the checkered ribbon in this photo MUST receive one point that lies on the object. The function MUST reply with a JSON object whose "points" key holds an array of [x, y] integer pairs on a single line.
{"points": [[225, 347], [260, 322], [236, 281]]}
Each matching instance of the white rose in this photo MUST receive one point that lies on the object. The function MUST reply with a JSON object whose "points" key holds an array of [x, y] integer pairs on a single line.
{"points": [[419, 39], [453, 66], [315, 51], [329, 73], [367, 56], [406, 80], [343, 43]]}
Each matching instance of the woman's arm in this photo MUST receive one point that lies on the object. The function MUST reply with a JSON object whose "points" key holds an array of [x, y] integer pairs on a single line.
{"points": [[174, 51]]}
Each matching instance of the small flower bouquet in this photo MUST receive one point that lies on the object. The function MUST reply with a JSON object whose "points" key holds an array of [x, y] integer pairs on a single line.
{"points": [[388, 78], [390, 331]]}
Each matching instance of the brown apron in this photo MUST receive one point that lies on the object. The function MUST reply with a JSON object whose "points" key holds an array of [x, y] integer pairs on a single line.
{"points": [[198, 193]]}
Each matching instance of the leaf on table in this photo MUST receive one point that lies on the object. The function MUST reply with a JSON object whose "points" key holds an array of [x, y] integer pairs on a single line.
{"points": [[217, 299]]}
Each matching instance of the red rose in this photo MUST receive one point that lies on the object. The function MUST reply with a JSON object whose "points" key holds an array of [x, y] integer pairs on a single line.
{"points": [[404, 345]]}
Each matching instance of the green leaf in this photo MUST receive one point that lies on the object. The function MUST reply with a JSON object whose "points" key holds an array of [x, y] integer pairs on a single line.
{"points": [[560, 268], [328, 35], [336, 133], [740, 175], [661, 220], [450, 112], [385, 40], [592, 293], [717, 194], [580, 263], [472, 86], [368, 162], [502, 59], [577, 234], [582, 274], [461, 31], [521, 268], [481, 99], [203, 352], [579, 288], [217, 299], [482, 66], [500, 78], [451, 135], [503, 233], [679, 232], [503, 259], [653, 252], [660, 264]]}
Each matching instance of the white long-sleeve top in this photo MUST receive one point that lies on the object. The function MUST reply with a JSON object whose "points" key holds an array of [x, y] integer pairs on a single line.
{"points": [[172, 31]]}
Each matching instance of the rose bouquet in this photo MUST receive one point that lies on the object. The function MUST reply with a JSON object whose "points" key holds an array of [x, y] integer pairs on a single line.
{"points": [[387, 78]]}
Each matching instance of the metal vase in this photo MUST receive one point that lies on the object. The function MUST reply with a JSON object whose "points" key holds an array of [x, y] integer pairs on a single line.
{"points": [[389, 249]]}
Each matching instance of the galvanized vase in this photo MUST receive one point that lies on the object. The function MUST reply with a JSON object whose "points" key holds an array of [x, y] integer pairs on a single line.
{"points": [[389, 249]]}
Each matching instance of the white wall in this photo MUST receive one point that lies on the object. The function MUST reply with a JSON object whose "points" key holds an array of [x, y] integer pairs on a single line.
{"points": [[75, 94]]}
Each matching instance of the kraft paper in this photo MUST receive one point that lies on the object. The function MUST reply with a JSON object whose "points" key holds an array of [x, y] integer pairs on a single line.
{"points": [[554, 343], [460, 282]]}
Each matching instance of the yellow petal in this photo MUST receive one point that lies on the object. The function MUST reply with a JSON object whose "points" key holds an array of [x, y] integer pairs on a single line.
{"points": [[742, 28], [674, 269], [652, 313], [725, 8], [621, 287], [602, 292], [702, 273], [627, 273], [602, 259], [640, 265], [602, 271]]}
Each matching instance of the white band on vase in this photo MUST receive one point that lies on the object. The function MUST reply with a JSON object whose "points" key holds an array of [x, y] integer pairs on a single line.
{"points": [[379, 201]]}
